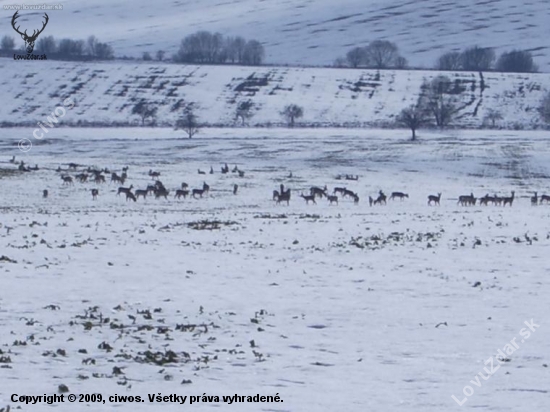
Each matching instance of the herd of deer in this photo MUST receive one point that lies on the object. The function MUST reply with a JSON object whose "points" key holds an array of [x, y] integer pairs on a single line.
{"points": [[464, 200], [157, 189], [283, 195]]}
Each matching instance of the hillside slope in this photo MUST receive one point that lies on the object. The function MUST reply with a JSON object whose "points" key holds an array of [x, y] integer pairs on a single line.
{"points": [[107, 92], [304, 31]]}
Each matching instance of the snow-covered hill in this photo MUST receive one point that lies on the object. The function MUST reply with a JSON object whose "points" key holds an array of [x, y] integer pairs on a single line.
{"points": [[305, 31], [107, 92]]}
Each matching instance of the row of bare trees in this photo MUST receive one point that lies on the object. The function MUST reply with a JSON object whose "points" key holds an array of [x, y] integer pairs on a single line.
{"points": [[438, 105], [213, 48], [484, 59], [66, 49], [379, 54]]}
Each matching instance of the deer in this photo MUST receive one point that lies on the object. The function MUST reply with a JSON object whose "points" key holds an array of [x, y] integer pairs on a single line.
{"points": [[125, 189], [276, 195], [485, 200], [340, 190], [332, 199], [348, 193], [130, 196], [399, 195], [29, 40], [465, 200], [184, 186], [309, 198], [371, 200], [180, 193], [161, 192], [44, 194], [317, 191], [497, 200], [381, 198], [355, 198], [95, 192], [82, 177], [196, 192], [284, 197], [116, 178], [543, 198], [153, 174], [534, 200], [67, 180], [225, 169], [434, 199], [142, 193], [12, 160], [201, 172], [99, 178], [125, 169], [205, 188], [211, 170], [235, 188], [241, 173], [508, 200]]}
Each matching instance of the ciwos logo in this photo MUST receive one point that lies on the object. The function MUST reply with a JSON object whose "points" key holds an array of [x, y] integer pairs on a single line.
{"points": [[29, 40]]}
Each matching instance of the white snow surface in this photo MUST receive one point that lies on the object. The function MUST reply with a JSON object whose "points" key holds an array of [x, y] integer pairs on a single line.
{"points": [[304, 31], [344, 302], [107, 92]]}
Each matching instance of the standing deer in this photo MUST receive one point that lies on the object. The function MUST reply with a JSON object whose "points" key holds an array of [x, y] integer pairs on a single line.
{"points": [[543, 198], [95, 192], [509, 200], [29, 40], [535, 200], [309, 198], [45, 194], [399, 195], [435, 199]]}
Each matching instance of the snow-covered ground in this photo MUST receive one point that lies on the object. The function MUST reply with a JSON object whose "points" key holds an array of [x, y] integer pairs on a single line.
{"points": [[107, 92], [305, 31], [342, 307]]}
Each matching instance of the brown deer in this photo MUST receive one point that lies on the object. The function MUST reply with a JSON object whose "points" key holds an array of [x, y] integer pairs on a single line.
{"points": [[130, 196], [399, 195], [99, 178], [317, 191], [508, 200], [153, 174], [543, 198], [332, 199], [196, 192], [434, 199], [142, 193], [380, 199], [67, 180], [340, 190], [309, 198], [534, 200], [95, 192], [284, 197], [205, 188], [29, 40], [180, 193], [161, 192], [125, 189], [467, 200]]}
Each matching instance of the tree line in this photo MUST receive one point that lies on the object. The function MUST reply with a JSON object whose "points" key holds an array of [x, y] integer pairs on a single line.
{"points": [[205, 47], [66, 49]]}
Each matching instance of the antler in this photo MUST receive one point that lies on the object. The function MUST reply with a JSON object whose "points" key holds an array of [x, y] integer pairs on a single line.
{"points": [[43, 26], [34, 34], [15, 16]]}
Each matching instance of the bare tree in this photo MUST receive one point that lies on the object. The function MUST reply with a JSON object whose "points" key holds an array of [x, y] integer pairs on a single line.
{"points": [[47, 45], [244, 111], [69, 49], [160, 55], [401, 63], [493, 116], [544, 108], [340, 62], [517, 61], [437, 99], [356, 57], [292, 112], [253, 53], [413, 117], [7, 43], [188, 122], [382, 54], [477, 58], [145, 111], [451, 61]]}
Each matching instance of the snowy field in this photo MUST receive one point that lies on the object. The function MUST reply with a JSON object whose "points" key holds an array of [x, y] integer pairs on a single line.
{"points": [[342, 307]]}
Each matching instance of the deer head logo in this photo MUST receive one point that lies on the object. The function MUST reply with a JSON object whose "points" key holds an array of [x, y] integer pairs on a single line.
{"points": [[29, 40]]}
